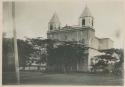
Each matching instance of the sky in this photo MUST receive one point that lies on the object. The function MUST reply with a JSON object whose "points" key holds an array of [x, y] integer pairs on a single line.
{"points": [[32, 17]]}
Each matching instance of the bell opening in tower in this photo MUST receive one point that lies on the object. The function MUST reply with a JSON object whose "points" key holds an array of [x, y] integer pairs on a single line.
{"points": [[83, 22]]}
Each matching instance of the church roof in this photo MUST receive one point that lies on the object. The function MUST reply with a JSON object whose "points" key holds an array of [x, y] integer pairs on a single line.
{"points": [[86, 12], [54, 19]]}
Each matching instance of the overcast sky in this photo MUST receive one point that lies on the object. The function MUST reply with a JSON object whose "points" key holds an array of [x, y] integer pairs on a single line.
{"points": [[32, 17]]}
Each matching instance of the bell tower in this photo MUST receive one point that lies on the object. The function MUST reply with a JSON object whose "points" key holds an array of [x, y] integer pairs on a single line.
{"points": [[54, 23], [86, 19]]}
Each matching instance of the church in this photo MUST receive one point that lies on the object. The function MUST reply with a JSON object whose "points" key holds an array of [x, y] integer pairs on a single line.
{"points": [[83, 33]]}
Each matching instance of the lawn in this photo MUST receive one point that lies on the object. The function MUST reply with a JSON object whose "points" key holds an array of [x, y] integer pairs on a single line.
{"points": [[38, 78]]}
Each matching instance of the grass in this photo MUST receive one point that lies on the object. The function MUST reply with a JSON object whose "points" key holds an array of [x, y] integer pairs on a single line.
{"points": [[38, 78]]}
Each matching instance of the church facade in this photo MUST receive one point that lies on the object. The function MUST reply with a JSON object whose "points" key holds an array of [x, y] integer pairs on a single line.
{"points": [[83, 33]]}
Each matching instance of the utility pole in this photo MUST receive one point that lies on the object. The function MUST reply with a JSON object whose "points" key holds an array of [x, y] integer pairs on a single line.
{"points": [[15, 45]]}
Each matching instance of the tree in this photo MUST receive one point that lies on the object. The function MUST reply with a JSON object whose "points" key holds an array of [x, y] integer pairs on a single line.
{"points": [[119, 66], [39, 46], [65, 55], [109, 56], [24, 51]]}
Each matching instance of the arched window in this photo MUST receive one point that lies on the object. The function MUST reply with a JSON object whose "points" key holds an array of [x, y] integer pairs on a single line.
{"points": [[83, 41], [51, 27], [92, 22], [83, 21]]}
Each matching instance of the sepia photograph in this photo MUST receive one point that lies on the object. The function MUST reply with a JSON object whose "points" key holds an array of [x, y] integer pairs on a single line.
{"points": [[63, 42]]}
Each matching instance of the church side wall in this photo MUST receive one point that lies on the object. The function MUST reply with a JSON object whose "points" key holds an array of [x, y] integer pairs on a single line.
{"points": [[106, 43], [94, 43], [110, 43], [92, 52]]}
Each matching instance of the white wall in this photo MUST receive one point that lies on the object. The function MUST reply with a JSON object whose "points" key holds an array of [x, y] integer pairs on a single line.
{"points": [[92, 53]]}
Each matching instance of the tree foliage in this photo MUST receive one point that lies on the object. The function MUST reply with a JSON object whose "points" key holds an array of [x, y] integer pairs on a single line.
{"points": [[39, 46], [108, 56], [24, 52], [66, 54]]}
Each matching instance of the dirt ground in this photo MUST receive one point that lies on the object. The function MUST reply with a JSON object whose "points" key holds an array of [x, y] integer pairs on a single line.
{"points": [[38, 78]]}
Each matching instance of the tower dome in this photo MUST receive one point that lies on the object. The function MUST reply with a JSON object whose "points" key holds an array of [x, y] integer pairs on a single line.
{"points": [[86, 18], [54, 19], [86, 13], [54, 23]]}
